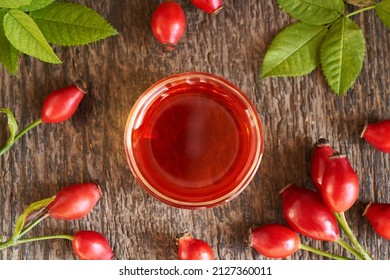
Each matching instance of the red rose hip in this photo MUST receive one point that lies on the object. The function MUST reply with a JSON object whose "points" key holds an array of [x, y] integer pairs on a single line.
{"points": [[74, 201], [378, 215], [61, 104], [378, 135], [274, 240], [320, 157], [91, 245], [306, 212], [190, 248], [340, 186], [209, 6], [168, 24]]}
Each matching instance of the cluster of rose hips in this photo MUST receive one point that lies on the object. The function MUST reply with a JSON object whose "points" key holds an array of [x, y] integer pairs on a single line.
{"points": [[316, 214], [70, 203], [169, 20]]}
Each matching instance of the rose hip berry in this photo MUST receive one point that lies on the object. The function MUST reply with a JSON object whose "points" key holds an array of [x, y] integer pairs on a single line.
{"points": [[319, 160], [61, 104], [74, 201], [168, 24], [378, 135], [378, 215], [209, 6], [91, 245], [306, 212], [340, 186], [274, 240], [190, 248]]}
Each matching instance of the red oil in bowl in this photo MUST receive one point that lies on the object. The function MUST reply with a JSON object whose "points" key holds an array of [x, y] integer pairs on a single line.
{"points": [[193, 140]]}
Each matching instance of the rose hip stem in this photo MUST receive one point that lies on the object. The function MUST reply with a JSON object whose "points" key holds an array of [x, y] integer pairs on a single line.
{"points": [[321, 252], [14, 242], [347, 230], [58, 106]]}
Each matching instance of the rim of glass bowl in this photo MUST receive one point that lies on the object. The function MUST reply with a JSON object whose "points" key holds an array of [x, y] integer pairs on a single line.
{"points": [[138, 111]]}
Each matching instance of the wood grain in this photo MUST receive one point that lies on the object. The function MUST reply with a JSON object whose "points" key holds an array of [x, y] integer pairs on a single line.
{"points": [[295, 113]]}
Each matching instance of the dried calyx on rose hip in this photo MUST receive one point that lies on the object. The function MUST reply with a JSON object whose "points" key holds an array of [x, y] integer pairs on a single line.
{"points": [[378, 215], [190, 248], [378, 135], [209, 6], [168, 24], [75, 201], [58, 106]]}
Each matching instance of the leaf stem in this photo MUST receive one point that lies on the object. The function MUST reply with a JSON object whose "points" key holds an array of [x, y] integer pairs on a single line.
{"points": [[321, 252], [361, 10], [6, 147], [347, 230]]}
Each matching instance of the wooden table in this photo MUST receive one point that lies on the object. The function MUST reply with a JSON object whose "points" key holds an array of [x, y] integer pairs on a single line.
{"points": [[295, 113]]}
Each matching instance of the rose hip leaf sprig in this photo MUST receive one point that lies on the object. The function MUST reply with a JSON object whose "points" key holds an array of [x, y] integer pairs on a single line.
{"points": [[58, 106], [383, 11], [313, 12], [340, 53], [30, 26]]}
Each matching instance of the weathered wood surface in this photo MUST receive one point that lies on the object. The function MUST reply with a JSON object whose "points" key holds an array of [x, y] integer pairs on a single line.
{"points": [[295, 113]]}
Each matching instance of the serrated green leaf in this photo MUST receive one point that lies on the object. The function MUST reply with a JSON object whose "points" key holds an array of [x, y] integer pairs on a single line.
{"points": [[317, 12], [383, 11], [13, 4], [294, 51], [12, 125], [33, 207], [9, 56], [69, 24], [36, 5], [342, 54], [25, 35]]}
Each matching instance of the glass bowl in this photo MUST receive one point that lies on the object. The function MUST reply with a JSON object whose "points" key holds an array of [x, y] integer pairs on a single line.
{"points": [[193, 140]]}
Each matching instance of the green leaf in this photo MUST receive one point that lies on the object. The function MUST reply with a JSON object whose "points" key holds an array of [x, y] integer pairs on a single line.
{"points": [[12, 125], [33, 207], [383, 11], [36, 5], [24, 35], [9, 56], [13, 4], [294, 51], [316, 12], [69, 24], [342, 54]]}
